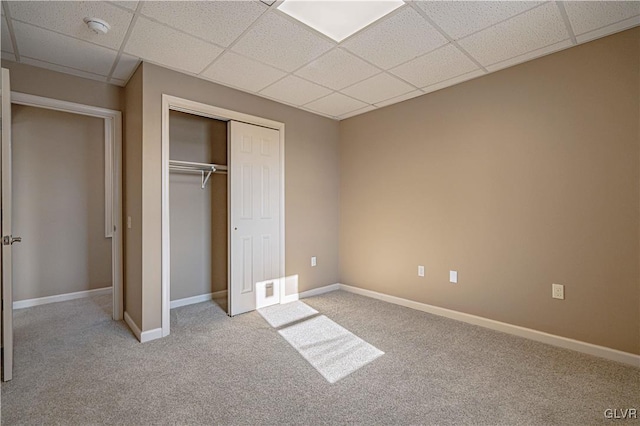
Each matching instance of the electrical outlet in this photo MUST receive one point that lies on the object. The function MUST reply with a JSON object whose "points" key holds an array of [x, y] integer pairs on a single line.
{"points": [[314, 261], [420, 271], [453, 277], [557, 291]]}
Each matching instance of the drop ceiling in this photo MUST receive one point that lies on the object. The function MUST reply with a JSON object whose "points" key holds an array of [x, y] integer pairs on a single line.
{"points": [[420, 47]]}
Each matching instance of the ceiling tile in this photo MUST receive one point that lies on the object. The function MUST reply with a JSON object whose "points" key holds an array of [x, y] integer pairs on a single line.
{"points": [[55, 48], [529, 31], [66, 70], [66, 17], [126, 66], [358, 112], [461, 18], [335, 105], [400, 98], [439, 65], [378, 88], [295, 90], [609, 29], [588, 16], [169, 47], [396, 39], [219, 22], [530, 55], [118, 82], [276, 41], [238, 71], [7, 46], [337, 69]]}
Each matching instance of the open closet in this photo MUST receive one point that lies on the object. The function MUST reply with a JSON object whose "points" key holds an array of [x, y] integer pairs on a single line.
{"points": [[198, 209]]}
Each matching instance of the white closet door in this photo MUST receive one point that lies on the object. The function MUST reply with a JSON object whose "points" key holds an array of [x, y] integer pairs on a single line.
{"points": [[8, 239], [255, 217]]}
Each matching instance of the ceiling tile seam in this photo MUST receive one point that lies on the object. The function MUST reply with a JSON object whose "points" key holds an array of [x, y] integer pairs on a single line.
{"points": [[567, 23], [376, 75], [448, 37], [383, 100], [343, 94], [425, 88], [66, 35], [126, 9], [12, 34], [234, 42], [347, 114], [125, 40], [65, 66]]}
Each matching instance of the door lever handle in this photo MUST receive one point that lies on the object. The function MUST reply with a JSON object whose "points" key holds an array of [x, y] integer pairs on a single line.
{"points": [[10, 239]]}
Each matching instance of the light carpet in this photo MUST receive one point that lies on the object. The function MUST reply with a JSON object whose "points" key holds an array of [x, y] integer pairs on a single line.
{"points": [[76, 366]]}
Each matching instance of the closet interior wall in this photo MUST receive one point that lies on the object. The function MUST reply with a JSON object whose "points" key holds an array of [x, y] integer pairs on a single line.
{"points": [[198, 217]]}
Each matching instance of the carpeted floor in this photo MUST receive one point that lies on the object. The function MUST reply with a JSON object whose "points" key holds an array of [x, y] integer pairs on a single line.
{"points": [[73, 365]]}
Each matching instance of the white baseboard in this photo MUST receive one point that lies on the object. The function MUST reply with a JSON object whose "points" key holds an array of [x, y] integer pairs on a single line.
{"points": [[197, 299], [539, 336], [27, 303], [142, 336], [319, 290]]}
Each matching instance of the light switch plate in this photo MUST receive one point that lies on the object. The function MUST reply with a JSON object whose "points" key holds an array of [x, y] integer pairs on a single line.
{"points": [[453, 277], [420, 271], [314, 261]]}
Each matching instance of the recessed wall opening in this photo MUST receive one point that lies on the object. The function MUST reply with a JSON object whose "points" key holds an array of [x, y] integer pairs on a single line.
{"points": [[198, 209]]}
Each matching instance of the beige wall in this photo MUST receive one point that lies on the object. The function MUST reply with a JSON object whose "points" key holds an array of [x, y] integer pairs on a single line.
{"points": [[58, 203], [56, 85], [198, 216], [311, 181], [132, 181], [519, 179]]}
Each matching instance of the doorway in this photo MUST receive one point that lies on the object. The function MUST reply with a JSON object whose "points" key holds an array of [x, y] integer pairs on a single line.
{"points": [[255, 162]]}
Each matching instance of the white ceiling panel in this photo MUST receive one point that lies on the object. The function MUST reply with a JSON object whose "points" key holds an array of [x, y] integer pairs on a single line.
{"points": [[439, 65], [295, 90], [219, 22], [47, 46], [358, 112], [276, 41], [378, 88], [161, 44], [453, 81], [238, 71], [527, 32], [588, 16], [400, 98], [335, 105], [7, 46], [397, 39], [461, 18], [66, 70], [126, 66], [66, 17], [337, 69]]}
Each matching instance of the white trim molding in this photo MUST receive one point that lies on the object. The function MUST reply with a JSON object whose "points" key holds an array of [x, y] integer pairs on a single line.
{"points": [[113, 178], [144, 336], [528, 333], [28, 303], [198, 299]]}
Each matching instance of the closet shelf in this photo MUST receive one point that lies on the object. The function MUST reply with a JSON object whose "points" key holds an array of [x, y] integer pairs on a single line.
{"points": [[193, 167]]}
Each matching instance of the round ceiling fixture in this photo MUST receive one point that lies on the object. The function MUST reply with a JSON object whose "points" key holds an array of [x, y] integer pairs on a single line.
{"points": [[98, 26]]}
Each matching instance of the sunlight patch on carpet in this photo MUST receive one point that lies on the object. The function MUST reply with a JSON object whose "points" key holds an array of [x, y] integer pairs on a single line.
{"points": [[330, 348]]}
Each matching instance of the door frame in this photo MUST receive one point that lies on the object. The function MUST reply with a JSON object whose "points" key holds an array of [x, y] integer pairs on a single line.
{"points": [[173, 103], [113, 178]]}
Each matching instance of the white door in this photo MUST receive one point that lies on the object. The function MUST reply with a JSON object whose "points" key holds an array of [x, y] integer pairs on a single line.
{"points": [[7, 237], [254, 172]]}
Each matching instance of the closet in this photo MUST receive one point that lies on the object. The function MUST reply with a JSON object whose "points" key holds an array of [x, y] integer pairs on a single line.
{"points": [[198, 209]]}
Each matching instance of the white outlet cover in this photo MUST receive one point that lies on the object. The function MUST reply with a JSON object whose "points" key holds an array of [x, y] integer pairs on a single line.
{"points": [[453, 277], [557, 291]]}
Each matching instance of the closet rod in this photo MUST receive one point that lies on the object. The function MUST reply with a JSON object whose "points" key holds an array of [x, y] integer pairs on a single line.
{"points": [[191, 167]]}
